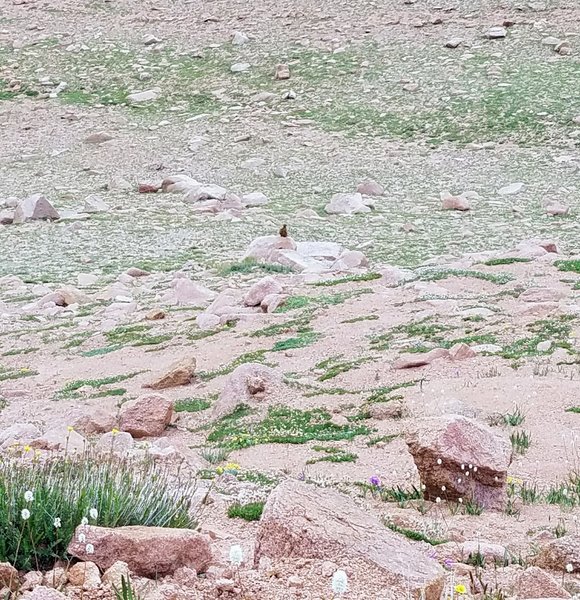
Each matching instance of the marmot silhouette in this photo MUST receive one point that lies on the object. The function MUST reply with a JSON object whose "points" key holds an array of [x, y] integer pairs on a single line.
{"points": [[283, 231]]}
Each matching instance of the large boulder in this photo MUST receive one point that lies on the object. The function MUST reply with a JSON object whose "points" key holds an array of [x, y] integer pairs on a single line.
{"points": [[35, 208], [251, 383], [263, 248], [419, 359], [18, 433], [303, 521], [185, 292], [458, 457], [261, 289], [9, 577], [148, 551], [146, 416], [85, 575], [536, 583], [44, 593], [560, 553]]}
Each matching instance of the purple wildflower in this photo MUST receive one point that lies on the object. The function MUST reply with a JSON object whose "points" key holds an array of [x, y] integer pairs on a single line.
{"points": [[375, 481]]}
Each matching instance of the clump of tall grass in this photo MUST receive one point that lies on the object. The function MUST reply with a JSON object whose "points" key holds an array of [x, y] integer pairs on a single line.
{"points": [[42, 501]]}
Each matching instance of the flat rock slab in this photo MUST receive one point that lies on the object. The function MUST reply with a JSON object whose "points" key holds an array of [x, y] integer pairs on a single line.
{"points": [[304, 521]]}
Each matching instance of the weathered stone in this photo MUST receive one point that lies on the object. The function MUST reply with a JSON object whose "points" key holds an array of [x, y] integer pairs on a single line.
{"points": [[542, 294], [56, 578], [559, 553], [461, 352], [370, 188], [9, 577], [148, 551], [255, 199], [450, 202], [512, 188], [303, 521], [31, 580], [118, 442], [44, 593], [261, 289], [346, 204], [180, 373], [282, 72], [410, 361], [207, 321], [251, 384], [466, 458], [115, 573], [21, 433], [145, 96], [99, 137], [178, 183], [61, 438], [85, 575], [35, 208], [536, 583], [95, 204], [146, 416], [262, 249], [186, 292], [97, 421]]}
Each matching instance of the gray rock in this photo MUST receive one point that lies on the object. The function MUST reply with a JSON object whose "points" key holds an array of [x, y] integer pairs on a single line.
{"points": [[145, 96], [34, 208]]}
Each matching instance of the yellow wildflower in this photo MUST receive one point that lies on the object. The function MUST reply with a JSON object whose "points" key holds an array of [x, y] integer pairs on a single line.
{"points": [[114, 431], [27, 448], [460, 589], [70, 428], [232, 466]]}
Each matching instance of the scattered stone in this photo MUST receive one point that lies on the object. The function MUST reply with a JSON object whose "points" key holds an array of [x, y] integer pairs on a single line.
{"points": [[410, 361], [496, 33], [22, 433], [466, 457], [461, 352], [282, 72], [9, 577], [393, 276], [263, 249], [85, 575], [118, 442], [115, 573], [97, 421], [85, 280], [551, 41], [180, 373], [178, 184], [148, 551], [454, 42], [44, 593], [536, 583], [94, 205], [255, 199], [146, 416], [564, 48], [205, 192], [512, 188], [98, 138], [261, 289], [239, 67], [207, 321], [149, 39], [449, 202], [252, 163], [556, 209], [251, 384], [272, 301], [541, 294], [146, 96], [137, 272], [303, 521], [155, 315], [56, 578], [370, 188], [544, 346], [347, 204], [559, 553], [186, 292], [349, 260], [240, 39], [60, 438], [148, 188], [31, 580], [35, 208]]}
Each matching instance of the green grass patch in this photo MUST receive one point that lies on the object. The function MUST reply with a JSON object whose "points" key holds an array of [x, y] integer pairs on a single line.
{"points": [[295, 302], [249, 357], [296, 324], [108, 393], [437, 274], [573, 409], [335, 368], [281, 425], [416, 536], [361, 318], [348, 279], [495, 262], [374, 440], [331, 454], [19, 351], [9, 374], [70, 390], [571, 266], [191, 405], [305, 338], [249, 512], [250, 265]]}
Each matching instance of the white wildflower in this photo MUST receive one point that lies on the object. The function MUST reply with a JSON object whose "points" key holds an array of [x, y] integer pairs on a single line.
{"points": [[339, 582], [569, 567], [57, 523], [84, 521], [236, 555], [437, 500], [28, 496], [443, 488], [460, 500], [94, 514], [82, 538], [25, 514], [439, 461], [89, 549]]}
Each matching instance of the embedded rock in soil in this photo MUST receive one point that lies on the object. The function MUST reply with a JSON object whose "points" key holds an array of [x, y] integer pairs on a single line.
{"points": [[261, 289], [251, 383], [148, 551], [459, 457], [303, 521]]}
